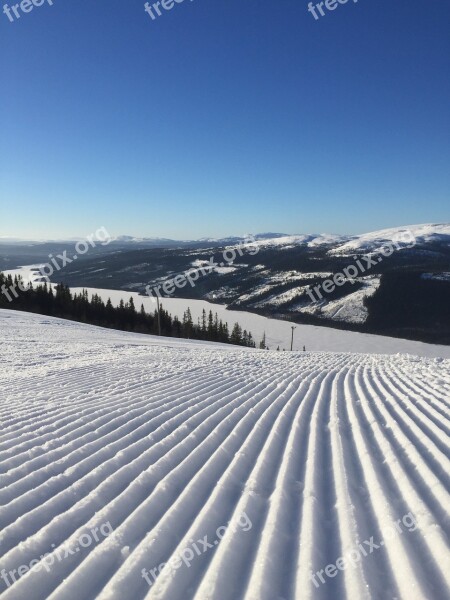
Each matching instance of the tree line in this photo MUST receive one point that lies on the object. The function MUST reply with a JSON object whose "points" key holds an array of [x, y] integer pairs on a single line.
{"points": [[61, 302]]}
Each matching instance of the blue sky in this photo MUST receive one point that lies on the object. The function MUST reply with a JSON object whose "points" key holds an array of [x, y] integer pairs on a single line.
{"points": [[224, 117]]}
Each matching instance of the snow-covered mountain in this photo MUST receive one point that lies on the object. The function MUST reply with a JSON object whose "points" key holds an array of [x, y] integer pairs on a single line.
{"points": [[402, 293], [367, 241], [422, 234], [135, 467]]}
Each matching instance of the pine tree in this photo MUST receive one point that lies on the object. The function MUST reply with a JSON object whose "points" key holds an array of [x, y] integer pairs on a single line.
{"points": [[236, 334], [210, 330], [262, 343], [188, 323], [216, 327], [203, 329]]}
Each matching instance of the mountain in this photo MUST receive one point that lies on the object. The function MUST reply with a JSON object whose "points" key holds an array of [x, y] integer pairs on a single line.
{"points": [[392, 282]]}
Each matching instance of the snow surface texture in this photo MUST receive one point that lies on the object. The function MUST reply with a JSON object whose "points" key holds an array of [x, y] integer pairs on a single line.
{"points": [[166, 441]]}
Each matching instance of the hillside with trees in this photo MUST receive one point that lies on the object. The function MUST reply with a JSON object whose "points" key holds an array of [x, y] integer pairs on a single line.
{"points": [[61, 302]]}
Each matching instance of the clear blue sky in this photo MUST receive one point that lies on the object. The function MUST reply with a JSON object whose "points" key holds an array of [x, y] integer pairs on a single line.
{"points": [[224, 117]]}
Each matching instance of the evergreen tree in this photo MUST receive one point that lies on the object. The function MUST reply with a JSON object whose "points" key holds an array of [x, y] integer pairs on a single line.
{"points": [[262, 343], [203, 329], [210, 329], [188, 324], [236, 335]]}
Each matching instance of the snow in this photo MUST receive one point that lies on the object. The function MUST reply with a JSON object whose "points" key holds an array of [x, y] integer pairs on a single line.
{"points": [[280, 298], [29, 273], [277, 331], [405, 235], [199, 263], [424, 232], [224, 270], [367, 242], [158, 443], [311, 240], [350, 308], [437, 276]]}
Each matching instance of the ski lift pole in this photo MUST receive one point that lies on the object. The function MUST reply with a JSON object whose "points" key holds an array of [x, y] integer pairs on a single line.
{"points": [[159, 315], [292, 336]]}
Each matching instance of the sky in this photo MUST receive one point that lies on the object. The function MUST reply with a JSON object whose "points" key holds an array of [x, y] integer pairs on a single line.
{"points": [[223, 117]]}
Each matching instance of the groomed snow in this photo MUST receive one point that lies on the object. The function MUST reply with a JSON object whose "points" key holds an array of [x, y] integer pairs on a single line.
{"points": [[158, 443]]}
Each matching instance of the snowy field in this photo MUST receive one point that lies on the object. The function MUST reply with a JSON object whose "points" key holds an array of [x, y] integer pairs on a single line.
{"points": [[278, 332], [134, 467]]}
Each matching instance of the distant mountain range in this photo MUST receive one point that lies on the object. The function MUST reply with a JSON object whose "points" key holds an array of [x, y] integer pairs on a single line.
{"points": [[150, 241], [405, 293], [423, 233]]}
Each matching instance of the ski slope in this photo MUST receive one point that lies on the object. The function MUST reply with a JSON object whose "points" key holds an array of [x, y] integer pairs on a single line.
{"points": [[299, 459]]}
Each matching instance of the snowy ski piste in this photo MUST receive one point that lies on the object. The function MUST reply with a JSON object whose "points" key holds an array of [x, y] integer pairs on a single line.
{"points": [[135, 467]]}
